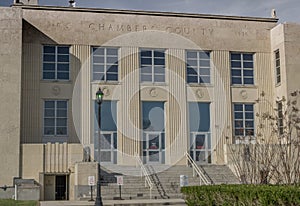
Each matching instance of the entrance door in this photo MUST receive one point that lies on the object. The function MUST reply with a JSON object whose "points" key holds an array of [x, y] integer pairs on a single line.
{"points": [[200, 147], [154, 147], [108, 153], [61, 187]]}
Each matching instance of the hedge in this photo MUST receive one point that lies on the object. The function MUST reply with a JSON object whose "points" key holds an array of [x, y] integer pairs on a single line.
{"points": [[260, 195]]}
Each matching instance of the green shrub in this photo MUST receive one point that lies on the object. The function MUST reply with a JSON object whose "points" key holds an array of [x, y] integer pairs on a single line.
{"points": [[17, 203], [244, 195]]}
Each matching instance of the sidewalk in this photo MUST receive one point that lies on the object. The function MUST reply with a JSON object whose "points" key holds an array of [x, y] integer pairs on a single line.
{"points": [[178, 202]]}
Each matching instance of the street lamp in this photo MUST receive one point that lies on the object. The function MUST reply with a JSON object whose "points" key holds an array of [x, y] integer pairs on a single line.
{"points": [[99, 98]]}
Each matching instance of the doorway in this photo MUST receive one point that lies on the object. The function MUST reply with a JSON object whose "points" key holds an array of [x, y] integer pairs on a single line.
{"points": [[61, 190]]}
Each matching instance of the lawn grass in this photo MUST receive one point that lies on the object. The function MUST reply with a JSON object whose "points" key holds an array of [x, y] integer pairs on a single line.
{"points": [[4, 202]]}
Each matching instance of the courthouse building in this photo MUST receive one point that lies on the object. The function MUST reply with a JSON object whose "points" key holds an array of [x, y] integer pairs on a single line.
{"points": [[172, 83]]}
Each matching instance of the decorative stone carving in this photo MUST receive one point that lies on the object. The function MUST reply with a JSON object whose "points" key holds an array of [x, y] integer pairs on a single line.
{"points": [[106, 91], [199, 93], [55, 90], [244, 94], [153, 92]]}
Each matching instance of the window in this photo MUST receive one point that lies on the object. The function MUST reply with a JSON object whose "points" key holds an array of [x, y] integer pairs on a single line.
{"points": [[55, 117], [152, 64], [242, 69], [280, 118], [243, 120], [56, 62], [198, 67], [105, 64], [109, 136], [277, 67], [199, 125]]}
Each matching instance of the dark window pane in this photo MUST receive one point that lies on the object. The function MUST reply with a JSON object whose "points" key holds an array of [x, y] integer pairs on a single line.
{"points": [[192, 79], [98, 76], [248, 64], [159, 54], [248, 57], [248, 73], [49, 75], [204, 63], [98, 59], [146, 53], [236, 64], [49, 122], [204, 55], [238, 115], [146, 78], [191, 55], [205, 71], [159, 61], [49, 66], [62, 104], [49, 49], [63, 58], [61, 131], [191, 71], [49, 130], [49, 58], [61, 113], [236, 80], [61, 122], [112, 77], [235, 57], [146, 61], [248, 81], [49, 113], [239, 132], [111, 51], [249, 124], [159, 78], [113, 68], [63, 75], [205, 79], [63, 50], [249, 115], [159, 70], [238, 123], [238, 107], [235, 72], [193, 63], [112, 60], [63, 67], [145, 70], [98, 68], [248, 107], [98, 51]]}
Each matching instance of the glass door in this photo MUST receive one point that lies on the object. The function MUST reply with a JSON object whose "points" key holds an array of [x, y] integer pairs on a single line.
{"points": [[153, 147], [200, 147]]}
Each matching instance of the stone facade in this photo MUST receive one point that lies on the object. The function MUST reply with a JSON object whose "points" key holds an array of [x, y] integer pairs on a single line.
{"points": [[32, 155]]}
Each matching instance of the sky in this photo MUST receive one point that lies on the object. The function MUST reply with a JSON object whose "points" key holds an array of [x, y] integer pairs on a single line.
{"points": [[287, 10]]}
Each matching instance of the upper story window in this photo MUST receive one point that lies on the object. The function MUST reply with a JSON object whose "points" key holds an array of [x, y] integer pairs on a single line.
{"points": [[243, 119], [280, 118], [152, 65], [242, 69], [198, 67], [56, 61], [55, 117], [105, 64], [277, 67]]}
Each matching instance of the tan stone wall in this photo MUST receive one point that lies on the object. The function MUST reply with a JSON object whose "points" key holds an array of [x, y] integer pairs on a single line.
{"points": [[10, 92]]}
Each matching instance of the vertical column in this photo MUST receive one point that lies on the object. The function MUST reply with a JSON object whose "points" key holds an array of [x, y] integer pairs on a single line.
{"points": [[81, 104], [176, 108], [221, 106], [129, 106]]}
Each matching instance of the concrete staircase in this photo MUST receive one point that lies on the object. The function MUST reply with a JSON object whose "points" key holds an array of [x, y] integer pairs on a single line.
{"points": [[166, 180]]}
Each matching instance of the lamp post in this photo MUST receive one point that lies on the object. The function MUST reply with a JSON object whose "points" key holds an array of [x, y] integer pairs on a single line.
{"points": [[99, 98]]}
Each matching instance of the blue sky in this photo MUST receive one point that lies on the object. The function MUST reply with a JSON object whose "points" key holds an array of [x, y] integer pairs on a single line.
{"points": [[287, 10]]}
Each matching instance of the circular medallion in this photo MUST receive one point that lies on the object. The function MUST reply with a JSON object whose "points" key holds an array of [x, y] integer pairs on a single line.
{"points": [[153, 92], [55, 90], [244, 94]]}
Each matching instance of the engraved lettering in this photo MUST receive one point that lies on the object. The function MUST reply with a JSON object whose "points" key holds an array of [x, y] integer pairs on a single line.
{"points": [[120, 27], [128, 28], [101, 26], [144, 28], [110, 28]]}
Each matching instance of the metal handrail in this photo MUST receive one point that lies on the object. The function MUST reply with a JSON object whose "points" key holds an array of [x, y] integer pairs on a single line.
{"points": [[200, 174], [145, 173]]}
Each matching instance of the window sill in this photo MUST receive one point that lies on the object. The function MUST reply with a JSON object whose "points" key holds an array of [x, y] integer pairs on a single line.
{"points": [[278, 84], [243, 86], [153, 84], [106, 82], [199, 85], [56, 81]]}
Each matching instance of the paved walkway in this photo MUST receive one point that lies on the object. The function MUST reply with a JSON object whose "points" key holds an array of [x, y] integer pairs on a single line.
{"points": [[178, 202]]}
